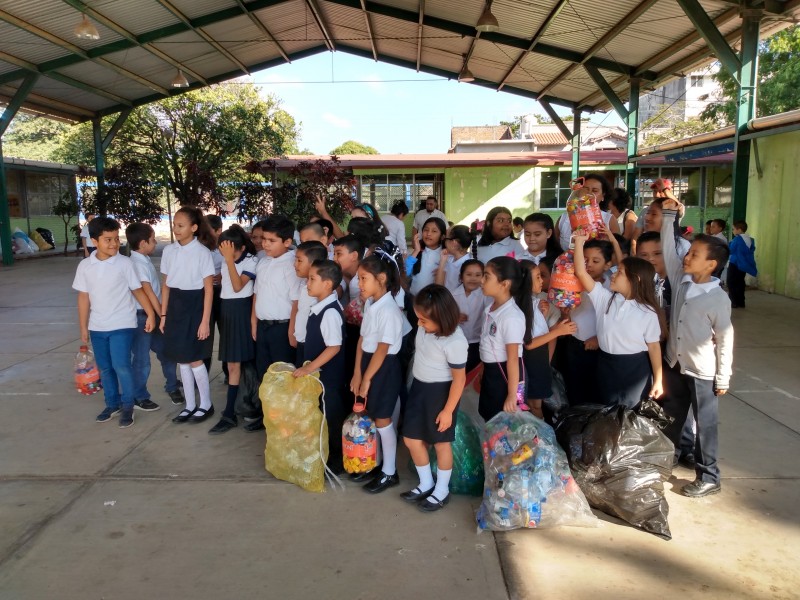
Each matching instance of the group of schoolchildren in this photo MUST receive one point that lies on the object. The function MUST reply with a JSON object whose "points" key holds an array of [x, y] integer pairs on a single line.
{"points": [[357, 310]]}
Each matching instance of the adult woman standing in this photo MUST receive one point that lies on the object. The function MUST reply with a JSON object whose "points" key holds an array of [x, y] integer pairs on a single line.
{"points": [[497, 238], [620, 207]]}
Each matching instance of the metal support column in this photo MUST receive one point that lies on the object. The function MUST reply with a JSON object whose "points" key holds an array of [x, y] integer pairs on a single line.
{"points": [[100, 166], [746, 109], [5, 120], [633, 136], [576, 143]]}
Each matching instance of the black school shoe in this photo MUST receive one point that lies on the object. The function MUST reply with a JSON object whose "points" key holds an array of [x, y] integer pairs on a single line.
{"points": [[253, 426], [365, 477], [381, 483], [699, 489], [201, 414], [184, 415], [428, 506], [225, 424], [414, 496]]}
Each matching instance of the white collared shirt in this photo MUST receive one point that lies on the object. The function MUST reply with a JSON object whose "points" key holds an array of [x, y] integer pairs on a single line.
{"points": [[623, 326], [584, 319], [526, 255], [396, 232], [435, 356], [474, 306], [331, 324], [452, 271], [695, 289], [109, 283], [304, 305], [539, 322], [505, 247], [506, 325], [276, 284], [146, 272], [246, 265], [429, 262], [216, 256], [383, 323], [424, 215], [187, 266]]}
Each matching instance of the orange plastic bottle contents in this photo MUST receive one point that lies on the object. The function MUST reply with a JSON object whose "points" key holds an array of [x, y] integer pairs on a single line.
{"points": [[584, 213], [87, 377], [359, 442]]}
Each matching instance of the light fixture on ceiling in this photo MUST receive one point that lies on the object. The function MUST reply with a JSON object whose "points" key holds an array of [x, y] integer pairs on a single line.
{"points": [[85, 30], [487, 22], [465, 76], [180, 81]]}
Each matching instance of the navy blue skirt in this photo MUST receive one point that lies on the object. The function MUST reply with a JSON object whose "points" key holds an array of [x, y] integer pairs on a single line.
{"points": [[236, 343], [623, 379], [425, 402], [538, 374], [184, 314], [494, 388], [384, 389]]}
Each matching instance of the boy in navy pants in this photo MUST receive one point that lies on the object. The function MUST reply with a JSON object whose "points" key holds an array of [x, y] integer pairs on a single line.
{"points": [[699, 352], [323, 349], [107, 314]]}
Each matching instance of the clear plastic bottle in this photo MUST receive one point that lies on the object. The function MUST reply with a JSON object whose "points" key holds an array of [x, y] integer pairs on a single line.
{"points": [[87, 377], [359, 443]]}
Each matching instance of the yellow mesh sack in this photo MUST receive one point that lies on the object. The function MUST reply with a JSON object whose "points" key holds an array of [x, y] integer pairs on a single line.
{"points": [[297, 434]]}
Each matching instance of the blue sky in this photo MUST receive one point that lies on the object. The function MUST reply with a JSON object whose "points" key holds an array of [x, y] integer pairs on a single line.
{"points": [[338, 97]]}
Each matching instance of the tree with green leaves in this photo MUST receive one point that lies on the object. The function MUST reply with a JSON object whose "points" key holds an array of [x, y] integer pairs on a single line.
{"points": [[33, 137], [66, 209], [196, 143], [668, 125], [128, 195], [778, 80], [353, 147]]}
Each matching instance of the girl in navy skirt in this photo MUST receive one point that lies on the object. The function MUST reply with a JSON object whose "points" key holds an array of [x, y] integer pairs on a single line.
{"points": [[536, 354], [629, 328], [236, 344], [432, 405], [507, 325], [377, 375], [186, 307]]}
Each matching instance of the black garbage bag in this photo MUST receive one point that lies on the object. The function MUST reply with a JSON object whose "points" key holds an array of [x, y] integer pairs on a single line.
{"points": [[47, 235], [621, 459], [248, 403]]}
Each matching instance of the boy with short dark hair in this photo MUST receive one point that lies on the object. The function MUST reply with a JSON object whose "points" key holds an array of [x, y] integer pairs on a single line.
{"points": [[107, 315], [275, 285], [324, 340], [306, 254], [699, 348], [717, 229], [142, 242], [742, 262]]}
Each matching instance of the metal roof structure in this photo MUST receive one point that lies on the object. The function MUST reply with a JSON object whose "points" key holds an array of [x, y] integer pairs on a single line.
{"points": [[566, 52]]}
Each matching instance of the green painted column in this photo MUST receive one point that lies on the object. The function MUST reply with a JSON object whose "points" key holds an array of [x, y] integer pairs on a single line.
{"points": [[748, 83], [5, 214], [633, 136], [100, 166], [576, 143]]}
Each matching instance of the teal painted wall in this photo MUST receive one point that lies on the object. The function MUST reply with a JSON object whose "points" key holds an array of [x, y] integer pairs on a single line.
{"points": [[773, 213]]}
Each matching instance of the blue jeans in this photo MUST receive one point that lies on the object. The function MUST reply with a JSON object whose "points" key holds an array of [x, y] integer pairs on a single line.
{"points": [[143, 343], [112, 351]]}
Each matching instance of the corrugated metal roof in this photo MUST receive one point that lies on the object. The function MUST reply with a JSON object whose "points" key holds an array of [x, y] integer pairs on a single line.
{"points": [[654, 39]]}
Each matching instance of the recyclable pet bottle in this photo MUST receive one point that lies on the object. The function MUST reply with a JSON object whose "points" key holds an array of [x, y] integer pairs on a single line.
{"points": [[87, 377]]}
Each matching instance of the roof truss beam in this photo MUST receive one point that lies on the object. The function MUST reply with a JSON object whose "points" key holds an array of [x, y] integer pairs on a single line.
{"points": [[534, 40], [420, 27], [703, 23], [130, 40], [263, 28], [660, 56], [317, 14], [16, 102], [610, 35], [369, 31], [72, 48], [557, 121], [199, 31], [469, 31], [115, 127], [608, 91]]}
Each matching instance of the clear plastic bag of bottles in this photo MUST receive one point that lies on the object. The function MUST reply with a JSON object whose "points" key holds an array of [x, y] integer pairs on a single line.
{"points": [[527, 479], [359, 441], [87, 377]]}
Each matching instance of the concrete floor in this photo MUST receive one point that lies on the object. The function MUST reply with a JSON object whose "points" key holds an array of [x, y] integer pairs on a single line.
{"points": [[89, 510]]}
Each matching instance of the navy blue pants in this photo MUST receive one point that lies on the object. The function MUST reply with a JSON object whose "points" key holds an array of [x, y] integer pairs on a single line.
{"points": [[272, 345], [682, 393]]}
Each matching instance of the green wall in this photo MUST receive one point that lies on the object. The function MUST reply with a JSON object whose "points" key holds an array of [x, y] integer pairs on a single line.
{"points": [[773, 213], [470, 192]]}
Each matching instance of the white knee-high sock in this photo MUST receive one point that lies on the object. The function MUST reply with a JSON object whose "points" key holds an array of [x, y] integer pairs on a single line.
{"points": [[442, 488], [425, 477], [201, 377], [389, 445], [187, 377]]}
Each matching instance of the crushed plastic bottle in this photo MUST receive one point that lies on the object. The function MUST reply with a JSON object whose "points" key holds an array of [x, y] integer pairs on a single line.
{"points": [[87, 377]]}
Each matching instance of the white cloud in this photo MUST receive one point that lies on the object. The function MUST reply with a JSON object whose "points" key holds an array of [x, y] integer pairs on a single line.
{"points": [[336, 121]]}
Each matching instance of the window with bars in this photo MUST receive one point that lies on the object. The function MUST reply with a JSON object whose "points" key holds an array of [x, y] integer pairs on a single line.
{"points": [[383, 191], [686, 183], [43, 192]]}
